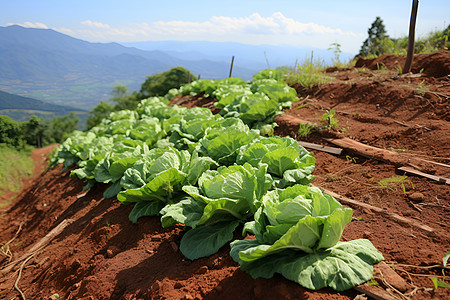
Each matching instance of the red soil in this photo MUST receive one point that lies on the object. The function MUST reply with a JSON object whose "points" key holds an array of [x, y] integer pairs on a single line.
{"points": [[101, 255]]}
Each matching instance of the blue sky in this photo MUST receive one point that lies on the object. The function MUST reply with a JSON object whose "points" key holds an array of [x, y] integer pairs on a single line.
{"points": [[298, 23]]}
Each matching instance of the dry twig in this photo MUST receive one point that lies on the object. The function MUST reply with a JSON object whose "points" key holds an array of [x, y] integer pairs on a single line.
{"points": [[5, 250]]}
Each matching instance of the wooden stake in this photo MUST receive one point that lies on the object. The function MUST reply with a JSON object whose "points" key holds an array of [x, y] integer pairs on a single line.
{"points": [[231, 68], [412, 28], [332, 150], [439, 179], [393, 216]]}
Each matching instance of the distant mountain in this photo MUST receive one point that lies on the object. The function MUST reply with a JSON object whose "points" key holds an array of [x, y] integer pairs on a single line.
{"points": [[22, 108], [57, 68], [48, 65], [247, 56], [11, 101]]}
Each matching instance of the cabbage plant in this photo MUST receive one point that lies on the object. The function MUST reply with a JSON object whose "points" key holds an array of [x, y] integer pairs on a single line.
{"points": [[287, 161], [297, 233], [224, 198], [157, 178]]}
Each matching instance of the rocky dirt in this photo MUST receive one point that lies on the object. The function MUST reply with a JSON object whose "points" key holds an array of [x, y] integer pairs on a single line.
{"points": [[99, 254]]}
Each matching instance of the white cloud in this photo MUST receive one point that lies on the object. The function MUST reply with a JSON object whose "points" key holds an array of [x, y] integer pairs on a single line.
{"points": [[252, 29], [96, 24], [30, 25]]}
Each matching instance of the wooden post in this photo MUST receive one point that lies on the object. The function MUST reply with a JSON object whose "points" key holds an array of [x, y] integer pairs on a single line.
{"points": [[231, 68], [267, 61], [412, 28], [189, 78]]}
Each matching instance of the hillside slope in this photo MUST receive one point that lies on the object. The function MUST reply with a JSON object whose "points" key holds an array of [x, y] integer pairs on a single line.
{"points": [[100, 254], [21, 109]]}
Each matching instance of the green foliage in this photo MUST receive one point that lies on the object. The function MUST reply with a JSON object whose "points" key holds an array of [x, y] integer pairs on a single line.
{"points": [[155, 85], [160, 84], [101, 111], [379, 42], [441, 283], [422, 88], [395, 181], [336, 47], [61, 127], [287, 162], [373, 45], [122, 99], [297, 234], [14, 166], [309, 74], [304, 129], [269, 74], [36, 132], [328, 118], [214, 172], [11, 132]]}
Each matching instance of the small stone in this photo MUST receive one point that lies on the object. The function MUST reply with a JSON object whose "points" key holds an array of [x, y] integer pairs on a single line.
{"points": [[109, 253], [188, 297], [219, 289], [202, 270], [367, 234], [112, 251], [174, 246], [416, 197]]}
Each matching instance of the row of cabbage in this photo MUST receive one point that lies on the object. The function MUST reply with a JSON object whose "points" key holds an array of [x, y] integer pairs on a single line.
{"points": [[256, 103], [212, 173]]}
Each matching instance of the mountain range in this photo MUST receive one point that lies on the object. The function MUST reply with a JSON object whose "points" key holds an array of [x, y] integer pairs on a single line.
{"points": [[22, 108], [57, 68]]}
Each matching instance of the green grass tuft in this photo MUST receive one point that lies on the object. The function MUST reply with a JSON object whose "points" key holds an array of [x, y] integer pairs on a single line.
{"points": [[15, 166]]}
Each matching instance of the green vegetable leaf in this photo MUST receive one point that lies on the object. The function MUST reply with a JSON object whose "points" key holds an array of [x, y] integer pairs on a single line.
{"points": [[112, 190], [206, 240], [334, 226], [303, 236], [145, 208], [445, 259], [341, 267], [187, 211], [439, 283], [163, 187]]}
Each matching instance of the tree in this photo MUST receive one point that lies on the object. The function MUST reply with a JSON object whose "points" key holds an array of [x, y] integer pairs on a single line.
{"points": [[160, 84], [374, 44], [33, 131], [11, 132], [61, 127], [122, 99], [96, 115]]}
